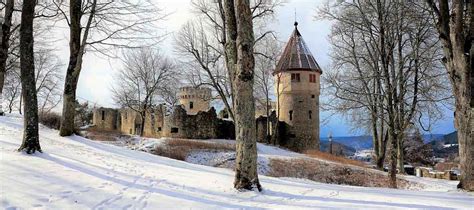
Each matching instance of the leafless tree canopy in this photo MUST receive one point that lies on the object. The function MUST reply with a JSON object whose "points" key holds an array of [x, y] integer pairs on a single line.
{"points": [[202, 43], [101, 26], [144, 80], [111, 24], [48, 80], [386, 71]]}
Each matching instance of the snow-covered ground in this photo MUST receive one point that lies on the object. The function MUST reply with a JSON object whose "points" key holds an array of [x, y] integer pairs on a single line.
{"points": [[224, 159], [76, 173]]}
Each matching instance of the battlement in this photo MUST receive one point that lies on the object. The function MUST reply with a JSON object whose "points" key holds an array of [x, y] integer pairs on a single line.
{"points": [[195, 99], [194, 93]]}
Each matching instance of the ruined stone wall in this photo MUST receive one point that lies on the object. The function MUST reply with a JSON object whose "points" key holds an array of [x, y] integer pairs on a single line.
{"points": [[298, 104], [154, 121], [105, 119], [194, 99], [129, 120], [203, 125], [174, 123], [225, 129], [429, 172], [160, 123], [261, 125]]}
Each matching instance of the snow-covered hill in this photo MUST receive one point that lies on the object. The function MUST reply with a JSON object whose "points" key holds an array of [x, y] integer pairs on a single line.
{"points": [[76, 173]]}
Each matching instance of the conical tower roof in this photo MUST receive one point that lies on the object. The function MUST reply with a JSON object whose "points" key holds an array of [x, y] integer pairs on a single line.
{"points": [[296, 56]]}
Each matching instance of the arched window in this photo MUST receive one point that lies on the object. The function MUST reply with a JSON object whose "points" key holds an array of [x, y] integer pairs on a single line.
{"points": [[191, 105], [103, 115], [310, 114], [291, 114]]}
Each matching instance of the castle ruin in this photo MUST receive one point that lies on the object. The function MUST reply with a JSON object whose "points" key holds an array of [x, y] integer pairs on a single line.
{"points": [[197, 121], [294, 124]]}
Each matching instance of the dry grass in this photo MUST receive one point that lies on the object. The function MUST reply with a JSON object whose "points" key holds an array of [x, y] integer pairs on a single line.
{"points": [[348, 172], [320, 171], [333, 158], [101, 135], [179, 149]]}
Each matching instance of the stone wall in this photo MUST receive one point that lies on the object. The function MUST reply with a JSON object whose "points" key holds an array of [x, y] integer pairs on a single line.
{"points": [[106, 119], [130, 121], [261, 124], [202, 125], [154, 122], [429, 172], [161, 123]]}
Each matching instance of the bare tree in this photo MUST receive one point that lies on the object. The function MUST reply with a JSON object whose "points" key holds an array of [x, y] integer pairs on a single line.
{"points": [[6, 31], [454, 22], [169, 92], [266, 54], [204, 61], [144, 74], [240, 32], [12, 89], [206, 44], [30, 142], [48, 80], [386, 71], [102, 25], [9, 35]]}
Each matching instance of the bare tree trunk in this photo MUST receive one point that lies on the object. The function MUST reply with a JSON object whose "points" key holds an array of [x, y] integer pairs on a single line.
{"points": [[142, 120], [455, 27], [21, 103], [73, 69], [400, 158], [383, 138], [267, 109], [375, 140], [392, 172], [30, 135], [4, 46], [76, 53], [246, 176]]}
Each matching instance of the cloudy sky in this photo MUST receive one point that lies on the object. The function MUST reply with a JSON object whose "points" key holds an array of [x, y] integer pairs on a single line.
{"points": [[98, 72]]}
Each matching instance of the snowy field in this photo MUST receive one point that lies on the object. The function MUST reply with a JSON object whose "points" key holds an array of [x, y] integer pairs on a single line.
{"points": [[76, 173]]}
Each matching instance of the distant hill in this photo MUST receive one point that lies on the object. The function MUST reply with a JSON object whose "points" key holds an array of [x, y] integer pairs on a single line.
{"points": [[432, 137], [365, 142], [356, 142], [446, 146], [451, 138], [346, 150]]}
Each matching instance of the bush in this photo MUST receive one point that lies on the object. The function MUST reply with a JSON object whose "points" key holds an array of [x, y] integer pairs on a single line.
{"points": [[50, 119]]}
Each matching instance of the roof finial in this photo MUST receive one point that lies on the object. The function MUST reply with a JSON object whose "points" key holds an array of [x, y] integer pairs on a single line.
{"points": [[296, 22]]}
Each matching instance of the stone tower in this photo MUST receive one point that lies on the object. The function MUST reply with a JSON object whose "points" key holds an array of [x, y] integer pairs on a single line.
{"points": [[297, 88], [194, 99]]}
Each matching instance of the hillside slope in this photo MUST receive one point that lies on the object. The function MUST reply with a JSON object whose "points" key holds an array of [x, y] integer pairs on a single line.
{"points": [[76, 173]]}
